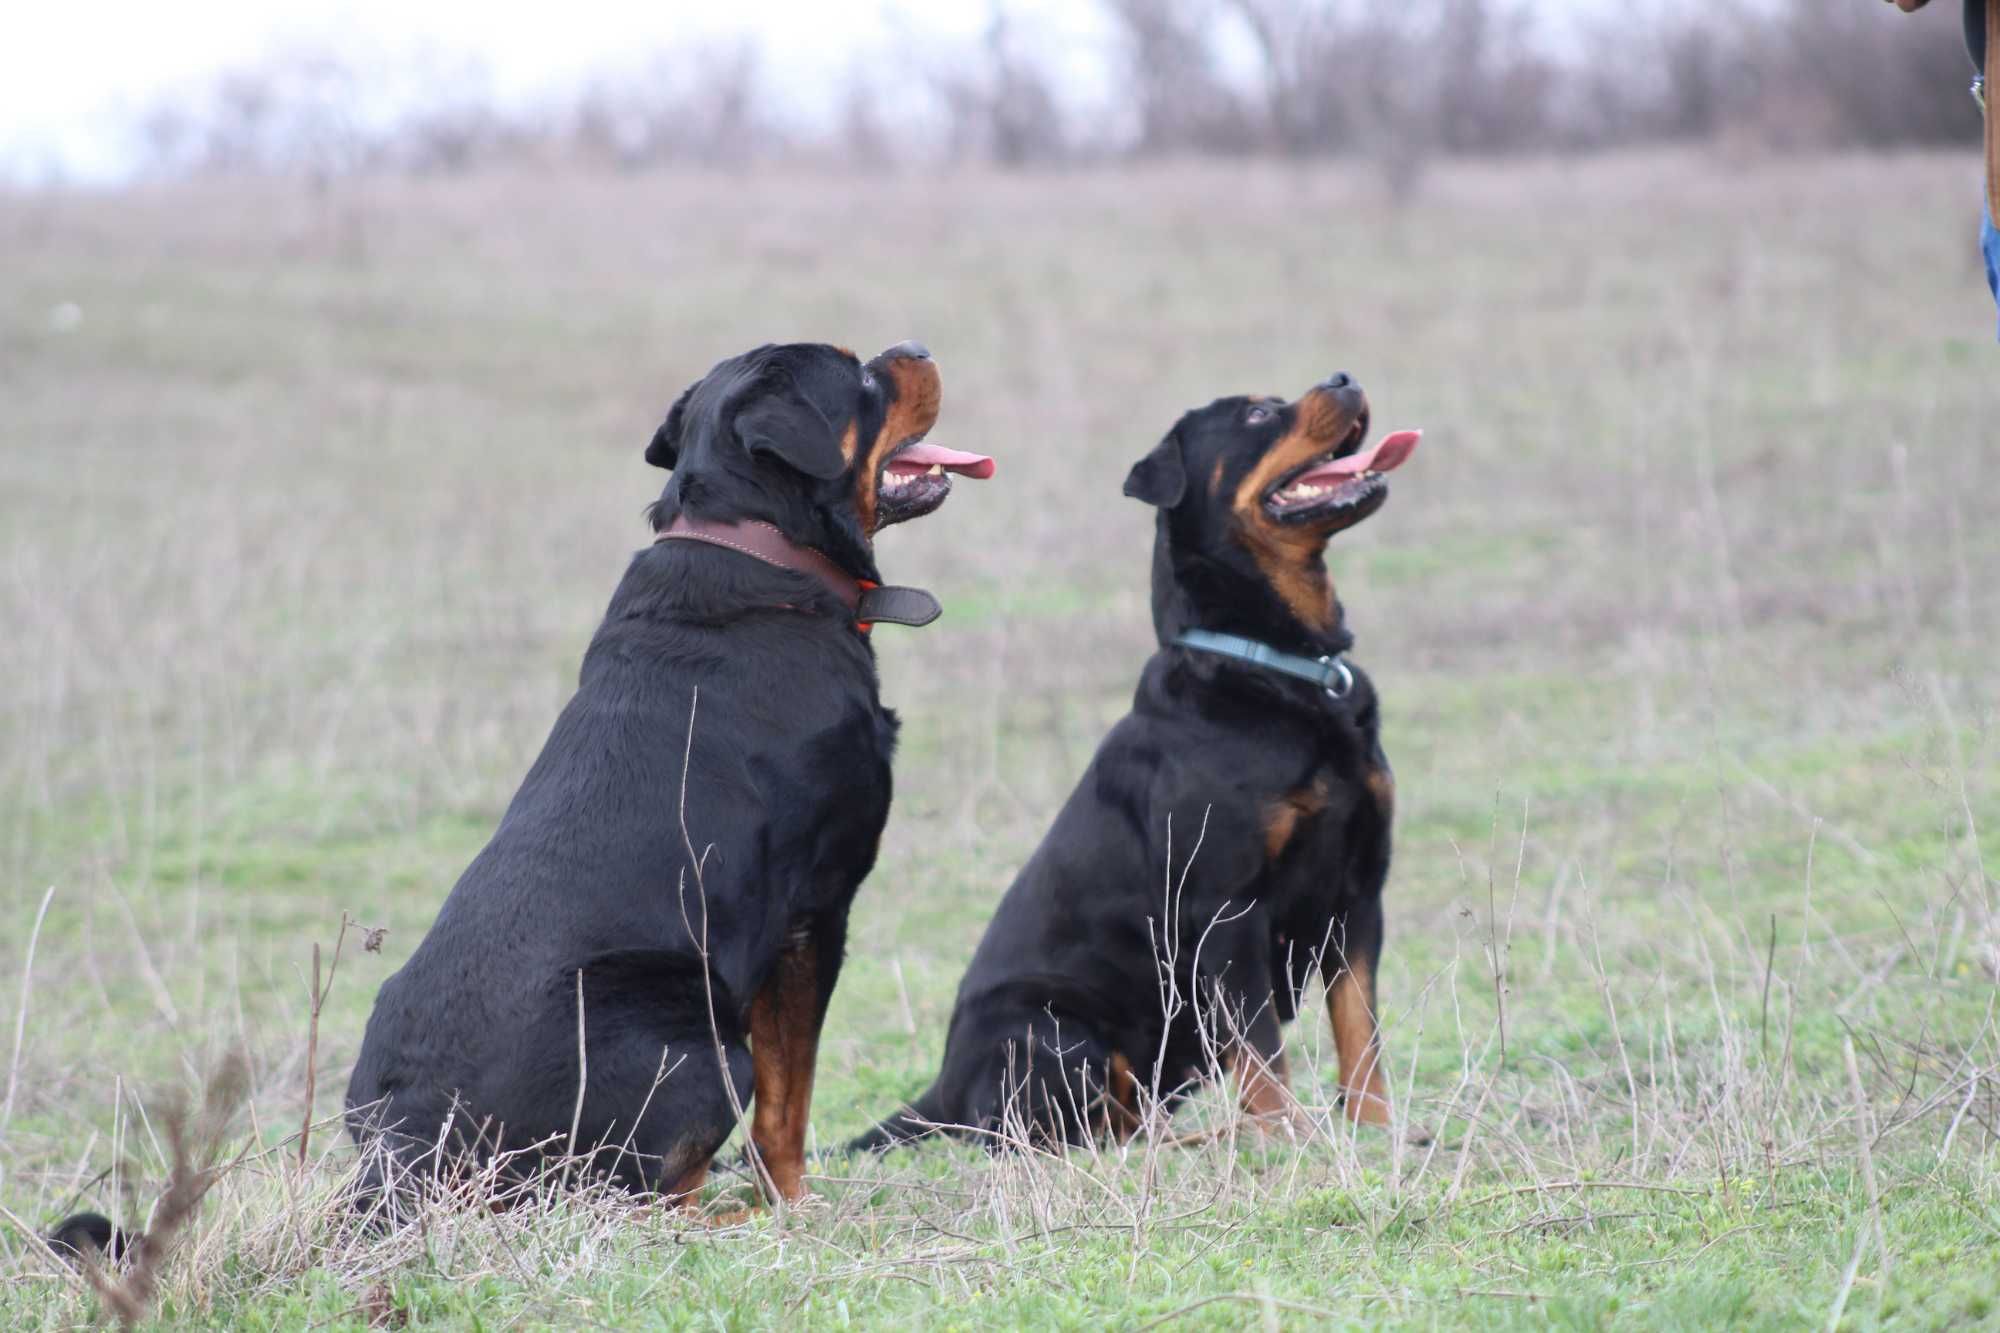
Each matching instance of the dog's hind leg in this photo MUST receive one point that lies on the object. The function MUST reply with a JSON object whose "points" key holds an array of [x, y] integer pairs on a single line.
{"points": [[688, 1121]]}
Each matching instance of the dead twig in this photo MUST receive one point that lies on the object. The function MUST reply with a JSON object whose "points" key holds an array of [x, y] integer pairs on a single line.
{"points": [[21, 1014], [372, 941], [1764, 1014]]}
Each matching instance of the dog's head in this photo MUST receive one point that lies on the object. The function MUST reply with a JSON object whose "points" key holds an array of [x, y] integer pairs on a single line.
{"points": [[1249, 490], [808, 436]]}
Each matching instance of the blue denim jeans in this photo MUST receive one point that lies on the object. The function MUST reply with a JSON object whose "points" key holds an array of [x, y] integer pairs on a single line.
{"points": [[1989, 241]]}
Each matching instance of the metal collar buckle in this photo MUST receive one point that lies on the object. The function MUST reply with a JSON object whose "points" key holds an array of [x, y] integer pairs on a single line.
{"points": [[1333, 676], [1345, 677]]}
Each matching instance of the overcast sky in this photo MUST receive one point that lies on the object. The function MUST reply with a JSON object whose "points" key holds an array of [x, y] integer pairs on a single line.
{"points": [[74, 74]]}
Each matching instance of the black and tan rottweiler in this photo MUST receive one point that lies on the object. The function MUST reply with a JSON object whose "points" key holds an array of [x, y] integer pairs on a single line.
{"points": [[674, 875], [1232, 832]]}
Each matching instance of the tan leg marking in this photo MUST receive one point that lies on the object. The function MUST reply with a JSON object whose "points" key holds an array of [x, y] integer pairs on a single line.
{"points": [[1121, 1099], [687, 1190], [1263, 1088], [1351, 1005], [784, 1043]]}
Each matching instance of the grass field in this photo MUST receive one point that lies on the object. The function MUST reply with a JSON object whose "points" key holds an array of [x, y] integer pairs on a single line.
{"points": [[1683, 619]]}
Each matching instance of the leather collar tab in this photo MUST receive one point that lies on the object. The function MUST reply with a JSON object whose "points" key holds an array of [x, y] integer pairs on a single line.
{"points": [[866, 602], [1329, 673], [897, 606]]}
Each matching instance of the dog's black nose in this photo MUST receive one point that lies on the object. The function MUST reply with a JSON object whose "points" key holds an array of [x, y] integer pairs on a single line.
{"points": [[911, 350], [1340, 379]]}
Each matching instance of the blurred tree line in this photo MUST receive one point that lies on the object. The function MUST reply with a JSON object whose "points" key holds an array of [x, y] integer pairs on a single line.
{"points": [[1394, 81]]}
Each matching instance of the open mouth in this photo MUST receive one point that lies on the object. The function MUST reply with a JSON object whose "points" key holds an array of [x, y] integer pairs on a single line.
{"points": [[916, 478], [1346, 482]]}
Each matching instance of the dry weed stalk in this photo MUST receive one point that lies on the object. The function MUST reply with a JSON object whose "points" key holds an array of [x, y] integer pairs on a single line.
{"points": [[371, 940], [194, 1146], [21, 1013]]}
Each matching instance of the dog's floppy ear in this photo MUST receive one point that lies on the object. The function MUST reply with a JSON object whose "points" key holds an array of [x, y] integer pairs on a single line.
{"points": [[785, 425], [665, 450], [1160, 478]]}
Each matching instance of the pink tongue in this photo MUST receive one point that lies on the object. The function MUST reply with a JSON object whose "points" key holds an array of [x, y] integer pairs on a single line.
{"points": [[922, 457], [1393, 451]]}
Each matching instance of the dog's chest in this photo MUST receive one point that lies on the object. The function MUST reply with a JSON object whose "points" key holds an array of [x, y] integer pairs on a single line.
{"points": [[1309, 824], [1303, 820]]}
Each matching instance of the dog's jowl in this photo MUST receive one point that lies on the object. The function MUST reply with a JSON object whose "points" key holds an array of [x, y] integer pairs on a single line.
{"points": [[648, 944], [1231, 837]]}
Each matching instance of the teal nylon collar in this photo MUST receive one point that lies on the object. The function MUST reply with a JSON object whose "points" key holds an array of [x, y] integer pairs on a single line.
{"points": [[1329, 673]]}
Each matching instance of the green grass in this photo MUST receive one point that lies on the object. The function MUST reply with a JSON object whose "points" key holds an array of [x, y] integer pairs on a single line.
{"points": [[1682, 622]]}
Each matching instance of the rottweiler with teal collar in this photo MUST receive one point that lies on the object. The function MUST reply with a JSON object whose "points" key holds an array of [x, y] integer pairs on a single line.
{"points": [[1231, 836]]}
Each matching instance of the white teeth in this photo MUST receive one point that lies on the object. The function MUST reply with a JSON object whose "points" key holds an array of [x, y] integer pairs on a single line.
{"points": [[937, 470]]}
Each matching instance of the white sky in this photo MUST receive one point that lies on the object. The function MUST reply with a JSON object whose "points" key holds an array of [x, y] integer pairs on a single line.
{"points": [[74, 74]]}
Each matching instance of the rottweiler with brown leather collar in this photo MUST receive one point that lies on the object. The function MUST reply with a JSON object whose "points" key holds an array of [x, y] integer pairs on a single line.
{"points": [[672, 881], [1231, 836]]}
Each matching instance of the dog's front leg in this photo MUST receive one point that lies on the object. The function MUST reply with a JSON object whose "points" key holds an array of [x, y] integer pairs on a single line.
{"points": [[1263, 1074], [785, 1018], [1358, 1037], [1350, 987]]}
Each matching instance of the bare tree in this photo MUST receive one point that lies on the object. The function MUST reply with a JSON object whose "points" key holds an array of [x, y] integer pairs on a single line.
{"points": [[702, 104], [1167, 55], [1392, 82], [1491, 83], [862, 137], [1306, 103], [450, 121], [1356, 78], [294, 114], [1882, 81], [1001, 105], [1693, 61]]}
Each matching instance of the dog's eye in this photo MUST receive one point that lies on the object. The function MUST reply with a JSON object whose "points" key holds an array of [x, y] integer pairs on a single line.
{"points": [[1257, 416]]}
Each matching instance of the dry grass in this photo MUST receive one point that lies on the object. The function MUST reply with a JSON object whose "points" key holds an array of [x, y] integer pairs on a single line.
{"points": [[1682, 621]]}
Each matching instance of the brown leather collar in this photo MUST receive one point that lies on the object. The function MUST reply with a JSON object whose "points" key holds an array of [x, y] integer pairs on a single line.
{"points": [[867, 602]]}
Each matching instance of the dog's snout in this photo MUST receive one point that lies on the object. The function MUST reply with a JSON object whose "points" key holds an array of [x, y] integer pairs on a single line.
{"points": [[908, 350], [1343, 392]]}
